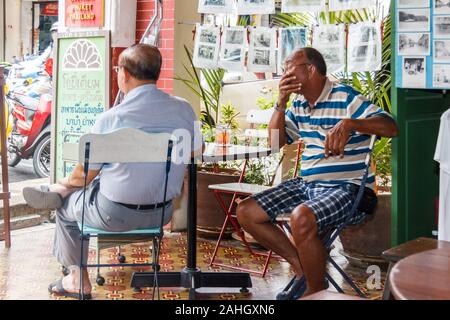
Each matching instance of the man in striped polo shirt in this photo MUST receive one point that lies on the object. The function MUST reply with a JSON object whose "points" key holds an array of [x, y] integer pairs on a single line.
{"points": [[335, 123]]}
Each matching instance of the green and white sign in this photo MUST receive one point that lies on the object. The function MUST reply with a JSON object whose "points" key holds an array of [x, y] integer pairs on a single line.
{"points": [[81, 91]]}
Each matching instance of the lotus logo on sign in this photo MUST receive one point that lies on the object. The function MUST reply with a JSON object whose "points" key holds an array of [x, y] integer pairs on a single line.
{"points": [[82, 55], [84, 13]]}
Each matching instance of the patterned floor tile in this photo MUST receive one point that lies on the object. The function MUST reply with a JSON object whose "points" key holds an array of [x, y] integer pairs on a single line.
{"points": [[28, 268]]}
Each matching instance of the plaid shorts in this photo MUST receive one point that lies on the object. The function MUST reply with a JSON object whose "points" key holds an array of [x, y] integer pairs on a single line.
{"points": [[330, 205]]}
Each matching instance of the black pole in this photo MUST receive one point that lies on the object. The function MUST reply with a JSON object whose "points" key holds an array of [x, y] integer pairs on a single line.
{"points": [[192, 217]]}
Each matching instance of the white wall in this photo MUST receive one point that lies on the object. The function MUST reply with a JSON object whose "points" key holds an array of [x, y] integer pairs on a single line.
{"points": [[186, 16], [2, 24], [13, 29]]}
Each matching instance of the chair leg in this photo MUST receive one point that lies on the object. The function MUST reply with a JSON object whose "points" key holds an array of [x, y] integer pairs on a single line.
{"points": [[230, 219], [334, 283], [266, 264], [347, 278], [98, 258], [81, 291], [99, 279], [236, 227], [387, 287], [222, 231], [120, 257], [156, 267]]}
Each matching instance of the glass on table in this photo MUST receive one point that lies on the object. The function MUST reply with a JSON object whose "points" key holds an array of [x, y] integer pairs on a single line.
{"points": [[223, 135]]}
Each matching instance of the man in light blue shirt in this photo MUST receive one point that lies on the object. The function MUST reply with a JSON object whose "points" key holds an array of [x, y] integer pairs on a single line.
{"points": [[124, 196]]}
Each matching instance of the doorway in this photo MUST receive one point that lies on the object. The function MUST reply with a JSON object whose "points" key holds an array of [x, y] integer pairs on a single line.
{"points": [[47, 13]]}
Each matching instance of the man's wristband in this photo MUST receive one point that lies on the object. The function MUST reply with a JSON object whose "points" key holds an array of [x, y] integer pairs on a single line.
{"points": [[277, 108]]}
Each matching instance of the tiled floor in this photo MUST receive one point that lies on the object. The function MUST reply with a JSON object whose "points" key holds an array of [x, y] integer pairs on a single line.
{"points": [[28, 267]]}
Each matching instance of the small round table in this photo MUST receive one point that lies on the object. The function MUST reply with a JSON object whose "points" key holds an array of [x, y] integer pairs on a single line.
{"points": [[422, 276]]}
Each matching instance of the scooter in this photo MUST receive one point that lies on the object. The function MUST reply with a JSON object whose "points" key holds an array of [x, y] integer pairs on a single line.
{"points": [[30, 106]]}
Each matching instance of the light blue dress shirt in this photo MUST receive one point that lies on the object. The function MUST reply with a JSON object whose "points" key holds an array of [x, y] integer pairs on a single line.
{"points": [[149, 109]]}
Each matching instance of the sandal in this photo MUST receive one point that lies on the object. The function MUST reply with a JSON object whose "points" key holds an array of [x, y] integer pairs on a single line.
{"points": [[42, 198], [57, 288]]}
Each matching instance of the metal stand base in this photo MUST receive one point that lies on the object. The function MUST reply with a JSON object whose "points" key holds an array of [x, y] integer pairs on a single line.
{"points": [[192, 279]]}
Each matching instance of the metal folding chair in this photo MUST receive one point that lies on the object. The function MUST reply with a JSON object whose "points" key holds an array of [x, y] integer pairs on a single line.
{"points": [[296, 288], [145, 148], [243, 190]]}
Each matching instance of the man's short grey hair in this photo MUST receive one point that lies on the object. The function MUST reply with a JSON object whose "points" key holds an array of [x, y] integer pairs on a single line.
{"points": [[142, 61]]}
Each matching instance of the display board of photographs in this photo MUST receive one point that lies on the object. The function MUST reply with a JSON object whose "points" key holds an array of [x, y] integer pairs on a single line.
{"points": [[330, 40], [364, 50], [423, 44], [227, 47], [207, 44], [246, 7], [262, 50], [234, 46], [290, 39]]}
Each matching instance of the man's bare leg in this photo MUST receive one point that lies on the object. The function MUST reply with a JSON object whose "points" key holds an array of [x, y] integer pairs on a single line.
{"points": [[311, 251], [255, 221]]}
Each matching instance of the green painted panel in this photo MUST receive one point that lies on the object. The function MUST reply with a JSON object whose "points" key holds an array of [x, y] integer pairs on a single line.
{"points": [[415, 173], [415, 178]]}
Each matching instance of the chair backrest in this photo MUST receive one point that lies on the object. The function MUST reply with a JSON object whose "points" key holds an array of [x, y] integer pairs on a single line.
{"points": [[257, 116], [335, 233], [126, 145]]}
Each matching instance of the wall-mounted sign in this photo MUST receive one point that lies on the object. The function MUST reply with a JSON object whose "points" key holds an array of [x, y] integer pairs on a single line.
{"points": [[84, 13], [81, 91], [50, 9]]}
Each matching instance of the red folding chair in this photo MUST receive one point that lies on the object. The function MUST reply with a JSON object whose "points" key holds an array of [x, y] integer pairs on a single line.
{"points": [[240, 190]]}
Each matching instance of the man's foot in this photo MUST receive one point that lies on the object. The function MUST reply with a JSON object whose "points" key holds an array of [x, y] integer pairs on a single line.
{"points": [[57, 288], [69, 285], [41, 198]]}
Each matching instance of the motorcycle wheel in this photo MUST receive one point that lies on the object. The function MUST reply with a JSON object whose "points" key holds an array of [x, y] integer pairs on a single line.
{"points": [[13, 159], [41, 158]]}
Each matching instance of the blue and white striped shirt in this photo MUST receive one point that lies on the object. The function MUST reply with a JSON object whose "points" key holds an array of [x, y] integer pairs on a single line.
{"points": [[312, 123]]}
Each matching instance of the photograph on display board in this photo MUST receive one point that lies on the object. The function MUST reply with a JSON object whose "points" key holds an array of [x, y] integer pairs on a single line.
{"points": [[206, 49], [410, 20], [292, 6], [441, 26], [414, 72], [413, 3], [262, 55], [441, 51], [245, 7], [330, 41], [441, 6], [364, 51], [215, 6], [232, 51], [338, 5], [413, 44], [289, 39], [441, 75], [235, 35]]}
